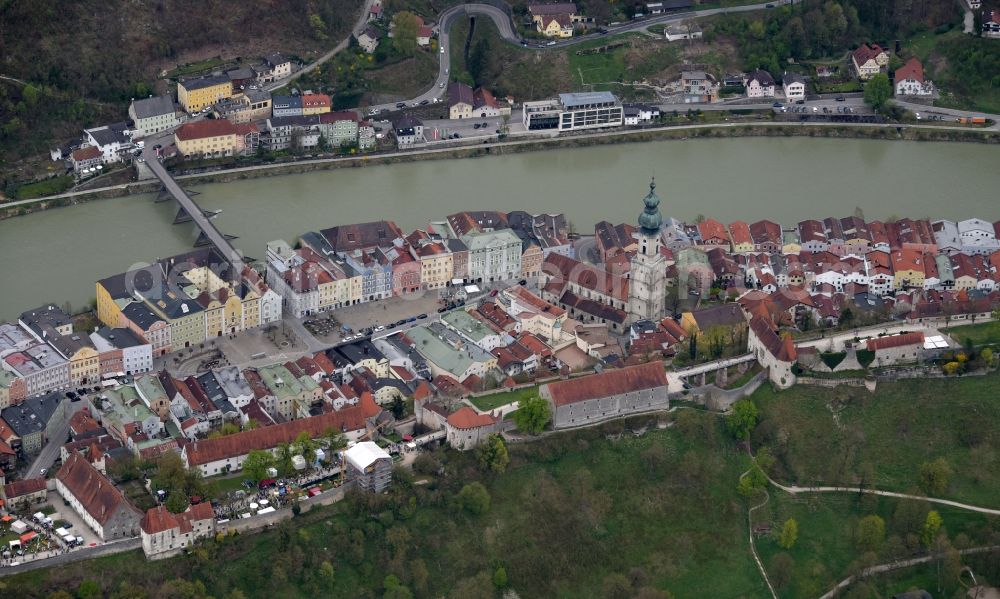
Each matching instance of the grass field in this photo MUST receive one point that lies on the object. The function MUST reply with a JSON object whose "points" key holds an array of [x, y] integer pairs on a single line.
{"points": [[983, 333], [488, 402], [826, 547], [44, 188], [833, 436]]}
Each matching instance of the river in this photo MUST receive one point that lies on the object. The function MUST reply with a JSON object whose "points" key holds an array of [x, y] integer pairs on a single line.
{"points": [[57, 255]]}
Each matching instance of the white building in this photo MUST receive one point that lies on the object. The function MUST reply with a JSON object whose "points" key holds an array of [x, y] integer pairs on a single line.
{"points": [[794, 86], [96, 499], [493, 255], [774, 353], [759, 84], [136, 352], [573, 112], [369, 467], [682, 31], [164, 534], [910, 80], [152, 115], [114, 141]]}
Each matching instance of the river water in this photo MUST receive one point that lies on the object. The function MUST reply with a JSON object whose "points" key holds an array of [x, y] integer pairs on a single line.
{"points": [[57, 255]]}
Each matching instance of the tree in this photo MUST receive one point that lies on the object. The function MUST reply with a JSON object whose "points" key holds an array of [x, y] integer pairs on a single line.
{"points": [[404, 34], [177, 501], [395, 589], [229, 428], [398, 408], [87, 589], [789, 534], [931, 527], [533, 415], [500, 577], [306, 447], [742, 419], [256, 464], [878, 90], [870, 533], [492, 455], [475, 498], [781, 570], [616, 586], [934, 476]]}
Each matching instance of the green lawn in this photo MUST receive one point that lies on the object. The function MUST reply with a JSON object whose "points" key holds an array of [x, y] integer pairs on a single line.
{"points": [[983, 333], [195, 68], [489, 402], [218, 486], [44, 188], [833, 436]]}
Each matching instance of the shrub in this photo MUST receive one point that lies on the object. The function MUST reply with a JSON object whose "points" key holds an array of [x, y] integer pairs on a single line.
{"points": [[832, 359], [865, 357]]}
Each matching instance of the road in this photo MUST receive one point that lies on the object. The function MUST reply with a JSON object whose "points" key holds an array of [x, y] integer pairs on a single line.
{"points": [[358, 26], [50, 451], [438, 89]]}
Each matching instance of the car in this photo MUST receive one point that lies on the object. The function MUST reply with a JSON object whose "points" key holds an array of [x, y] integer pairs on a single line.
{"points": [[425, 102], [800, 101], [422, 316], [522, 282], [524, 42], [441, 84], [379, 329], [411, 319], [768, 6], [458, 136], [75, 398], [497, 132], [494, 293], [399, 323], [442, 49], [815, 109], [552, 43], [401, 105], [475, 126], [42, 472], [415, 104], [840, 98], [442, 309], [71, 394], [777, 105]]}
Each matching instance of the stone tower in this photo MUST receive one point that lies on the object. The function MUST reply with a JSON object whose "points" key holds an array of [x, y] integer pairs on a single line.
{"points": [[647, 291]]}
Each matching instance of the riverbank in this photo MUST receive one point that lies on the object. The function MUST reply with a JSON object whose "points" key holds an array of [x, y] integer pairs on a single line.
{"points": [[696, 131]]}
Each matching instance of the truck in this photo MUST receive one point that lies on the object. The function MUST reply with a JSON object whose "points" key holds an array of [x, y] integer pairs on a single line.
{"points": [[972, 120]]}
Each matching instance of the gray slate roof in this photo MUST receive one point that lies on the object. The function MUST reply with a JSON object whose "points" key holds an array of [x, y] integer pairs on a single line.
{"points": [[153, 107]]}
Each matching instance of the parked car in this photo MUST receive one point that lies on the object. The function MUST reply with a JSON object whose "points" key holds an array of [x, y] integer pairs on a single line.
{"points": [[401, 105], [422, 316], [494, 293], [424, 102], [840, 98]]}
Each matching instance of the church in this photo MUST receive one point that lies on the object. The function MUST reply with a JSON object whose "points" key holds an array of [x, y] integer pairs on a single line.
{"points": [[647, 299]]}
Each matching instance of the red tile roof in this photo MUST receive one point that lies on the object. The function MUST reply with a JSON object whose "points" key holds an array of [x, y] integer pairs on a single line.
{"points": [[895, 341], [88, 153], [650, 375], [865, 53], [739, 232], [351, 418], [781, 348], [467, 418], [158, 519], [98, 496], [911, 70], [205, 128], [567, 270], [712, 230], [20, 488]]}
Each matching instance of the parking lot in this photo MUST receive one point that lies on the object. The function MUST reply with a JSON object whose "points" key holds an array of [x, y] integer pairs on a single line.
{"points": [[380, 313], [63, 516]]}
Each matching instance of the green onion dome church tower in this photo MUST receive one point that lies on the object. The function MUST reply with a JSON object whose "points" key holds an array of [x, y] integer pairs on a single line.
{"points": [[647, 292]]}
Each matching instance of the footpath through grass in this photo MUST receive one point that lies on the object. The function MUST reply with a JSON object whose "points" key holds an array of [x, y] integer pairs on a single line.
{"points": [[845, 435]]}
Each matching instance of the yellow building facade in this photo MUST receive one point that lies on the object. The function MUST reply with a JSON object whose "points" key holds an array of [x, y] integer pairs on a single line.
{"points": [[197, 94]]}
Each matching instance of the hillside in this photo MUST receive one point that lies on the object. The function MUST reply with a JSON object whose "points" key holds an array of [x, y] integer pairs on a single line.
{"points": [[84, 60], [602, 512]]}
